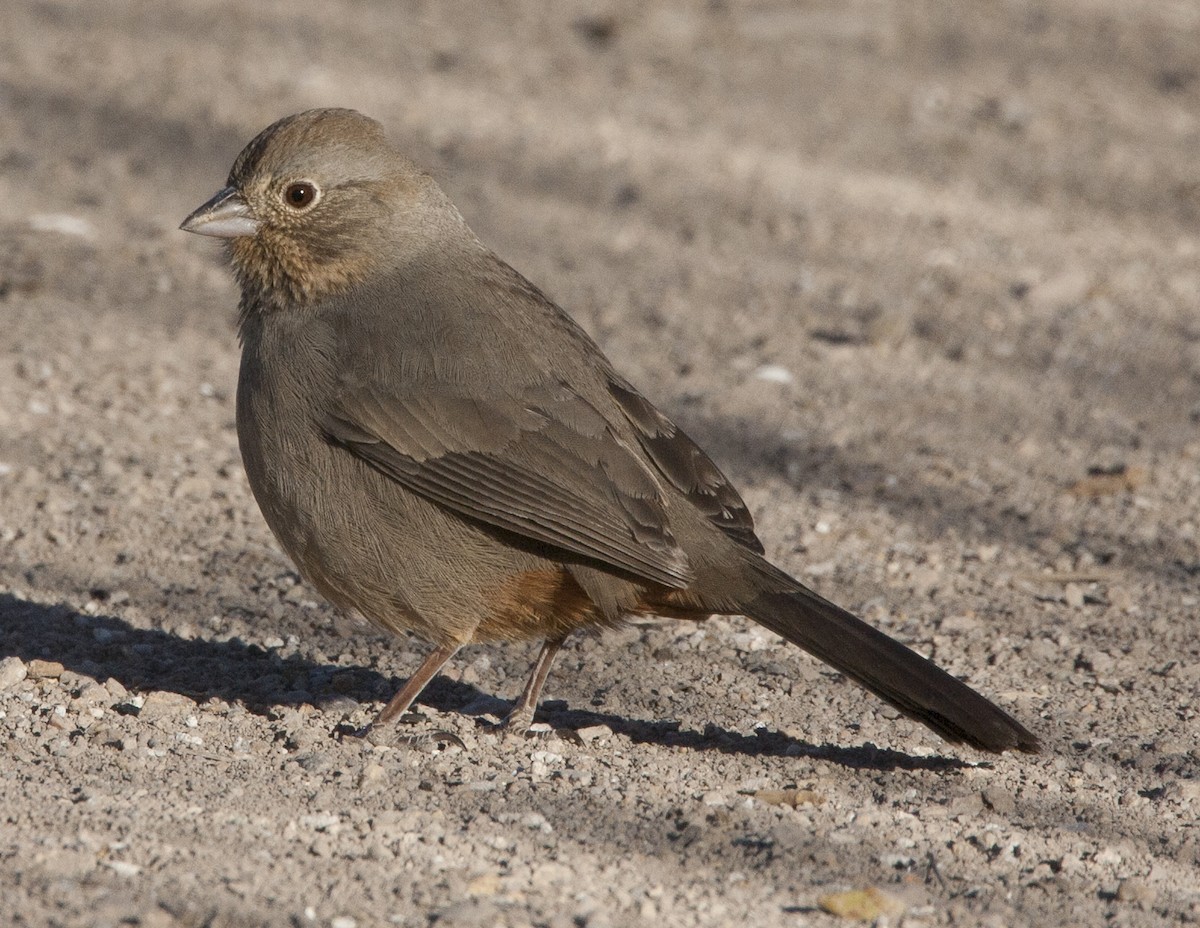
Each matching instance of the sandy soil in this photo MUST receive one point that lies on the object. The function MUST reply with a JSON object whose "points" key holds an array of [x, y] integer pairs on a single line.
{"points": [[924, 277]]}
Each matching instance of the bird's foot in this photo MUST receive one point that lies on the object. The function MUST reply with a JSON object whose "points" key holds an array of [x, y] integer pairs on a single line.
{"points": [[519, 722]]}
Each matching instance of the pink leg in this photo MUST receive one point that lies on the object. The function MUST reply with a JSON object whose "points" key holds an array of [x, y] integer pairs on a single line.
{"points": [[521, 716], [401, 702]]}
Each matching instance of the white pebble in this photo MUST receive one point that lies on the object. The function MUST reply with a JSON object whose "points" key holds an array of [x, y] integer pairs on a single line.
{"points": [[61, 223], [12, 672], [774, 373]]}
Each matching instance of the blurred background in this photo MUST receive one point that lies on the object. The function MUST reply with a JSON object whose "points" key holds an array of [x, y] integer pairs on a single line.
{"points": [[864, 246], [922, 276]]}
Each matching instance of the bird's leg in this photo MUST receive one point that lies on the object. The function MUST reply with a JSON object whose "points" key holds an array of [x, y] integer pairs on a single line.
{"points": [[521, 716], [418, 681]]}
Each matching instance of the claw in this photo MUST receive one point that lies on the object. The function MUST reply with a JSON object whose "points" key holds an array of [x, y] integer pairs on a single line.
{"points": [[387, 736], [517, 722]]}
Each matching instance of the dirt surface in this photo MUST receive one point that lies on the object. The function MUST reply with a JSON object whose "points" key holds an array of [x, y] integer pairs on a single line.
{"points": [[923, 277]]}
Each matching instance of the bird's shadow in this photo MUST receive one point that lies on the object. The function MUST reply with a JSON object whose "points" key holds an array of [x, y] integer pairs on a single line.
{"points": [[146, 660]]}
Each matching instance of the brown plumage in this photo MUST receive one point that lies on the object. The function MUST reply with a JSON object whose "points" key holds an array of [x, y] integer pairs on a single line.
{"points": [[439, 446]]}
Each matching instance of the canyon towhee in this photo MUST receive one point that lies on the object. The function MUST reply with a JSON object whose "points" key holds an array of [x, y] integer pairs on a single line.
{"points": [[440, 447]]}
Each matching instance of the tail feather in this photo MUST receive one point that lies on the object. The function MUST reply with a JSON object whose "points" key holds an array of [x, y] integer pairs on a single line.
{"points": [[916, 686]]}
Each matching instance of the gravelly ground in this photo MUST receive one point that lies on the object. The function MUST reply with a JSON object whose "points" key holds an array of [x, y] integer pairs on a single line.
{"points": [[923, 277]]}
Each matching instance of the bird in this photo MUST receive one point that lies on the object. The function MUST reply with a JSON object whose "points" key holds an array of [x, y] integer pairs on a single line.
{"points": [[441, 448]]}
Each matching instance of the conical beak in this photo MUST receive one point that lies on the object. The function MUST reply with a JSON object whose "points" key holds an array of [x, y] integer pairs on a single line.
{"points": [[226, 215]]}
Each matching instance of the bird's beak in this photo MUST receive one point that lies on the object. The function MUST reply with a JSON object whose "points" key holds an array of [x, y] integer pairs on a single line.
{"points": [[226, 215]]}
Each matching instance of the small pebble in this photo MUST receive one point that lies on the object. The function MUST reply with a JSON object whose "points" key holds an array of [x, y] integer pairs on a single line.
{"points": [[593, 732], [165, 704], [123, 868], [1135, 891], [12, 672], [999, 800], [488, 884], [115, 689], [43, 670], [868, 904], [774, 373], [372, 773]]}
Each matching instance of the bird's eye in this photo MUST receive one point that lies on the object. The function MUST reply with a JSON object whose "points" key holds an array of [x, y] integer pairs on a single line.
{"points": [[300, 194]]}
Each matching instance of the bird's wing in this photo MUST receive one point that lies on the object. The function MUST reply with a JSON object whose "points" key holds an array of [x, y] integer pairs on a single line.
{"points": [[546, 466], [686, 466]]}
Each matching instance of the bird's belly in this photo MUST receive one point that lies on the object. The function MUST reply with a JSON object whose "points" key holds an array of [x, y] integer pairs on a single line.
{"points": [[367, 543], [311, 510]]}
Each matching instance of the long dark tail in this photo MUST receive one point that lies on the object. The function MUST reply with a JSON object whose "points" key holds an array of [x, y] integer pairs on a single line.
{"points": [[917, 687]]}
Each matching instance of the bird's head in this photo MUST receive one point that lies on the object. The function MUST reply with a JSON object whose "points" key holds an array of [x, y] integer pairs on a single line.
{"points": [[318, 201]]}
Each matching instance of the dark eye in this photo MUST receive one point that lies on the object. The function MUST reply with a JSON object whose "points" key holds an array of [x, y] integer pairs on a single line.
{"points": [[300, 194]]}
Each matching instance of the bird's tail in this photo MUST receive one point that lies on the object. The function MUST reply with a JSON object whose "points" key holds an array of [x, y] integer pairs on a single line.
{"points": [[916, 686]]}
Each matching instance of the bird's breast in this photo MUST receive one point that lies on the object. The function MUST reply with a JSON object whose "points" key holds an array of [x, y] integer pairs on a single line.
{"points": [[289, 465]]}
